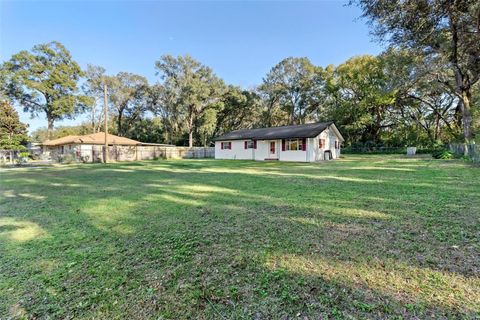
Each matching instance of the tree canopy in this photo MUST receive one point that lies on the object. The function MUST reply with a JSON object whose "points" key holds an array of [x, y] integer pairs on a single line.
{"points": [[295, 85], [95, 79], [442, 32], [127, 94], [192, 90], [45, 80], [407, 95], [13, 133]]}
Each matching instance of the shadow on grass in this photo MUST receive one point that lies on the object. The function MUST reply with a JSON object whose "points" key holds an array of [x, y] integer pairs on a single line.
{"points": [[185, 239]]}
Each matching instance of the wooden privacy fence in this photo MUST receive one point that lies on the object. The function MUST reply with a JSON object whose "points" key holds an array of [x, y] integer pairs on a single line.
{"points": [[132, 153], [472, 150]]}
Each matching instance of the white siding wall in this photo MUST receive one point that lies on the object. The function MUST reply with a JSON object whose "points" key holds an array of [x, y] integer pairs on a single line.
{"points": [[238, 151], [333, 137], [330, 138], [312, 147], [263, 150], [86, 152]]}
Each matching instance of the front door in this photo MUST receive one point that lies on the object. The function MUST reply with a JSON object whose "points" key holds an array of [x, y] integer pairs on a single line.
{"points": [[272, 148]]}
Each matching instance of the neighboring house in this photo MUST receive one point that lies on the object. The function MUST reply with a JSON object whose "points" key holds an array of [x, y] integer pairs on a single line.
{"points": [[88, 147], [35, 149], [302, 143]]}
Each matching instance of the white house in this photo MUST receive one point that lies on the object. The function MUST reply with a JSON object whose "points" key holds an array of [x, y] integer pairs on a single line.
{"points": [[302, 143]]}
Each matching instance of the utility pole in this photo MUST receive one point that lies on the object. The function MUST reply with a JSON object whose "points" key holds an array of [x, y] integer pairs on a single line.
{"points": [[105, 113], [93, 118]]}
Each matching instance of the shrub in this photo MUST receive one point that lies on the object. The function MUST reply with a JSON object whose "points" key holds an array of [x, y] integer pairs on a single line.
{"points": [[23, 157], [442, 154], [66, 158], [464, 158]]}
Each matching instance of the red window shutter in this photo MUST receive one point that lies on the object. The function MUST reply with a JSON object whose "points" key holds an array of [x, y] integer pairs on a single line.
{"points": [[283, 144], [336, 144], [230, 145], [304, 144], [221, 145], [245, 144], [254, 144]]}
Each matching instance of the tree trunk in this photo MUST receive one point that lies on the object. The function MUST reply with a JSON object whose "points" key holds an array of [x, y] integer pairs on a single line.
{"points": [[119, 124], [190, 138], [461, 81], [437, 128], [50, 126], [190, 131], [466, 115]]}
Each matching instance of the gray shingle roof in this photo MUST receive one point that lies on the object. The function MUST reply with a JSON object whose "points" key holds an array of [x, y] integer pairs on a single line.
{"points": [[309, 130]]}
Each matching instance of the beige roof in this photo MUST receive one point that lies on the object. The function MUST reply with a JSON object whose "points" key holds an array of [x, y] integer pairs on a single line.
{"points": [[95, 138]]}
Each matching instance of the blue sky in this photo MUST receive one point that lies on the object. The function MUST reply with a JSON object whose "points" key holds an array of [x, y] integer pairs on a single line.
{"points": [[241, 41]]}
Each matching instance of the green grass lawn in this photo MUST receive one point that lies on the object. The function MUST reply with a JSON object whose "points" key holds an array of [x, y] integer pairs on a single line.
{"points": [[363, 237]]}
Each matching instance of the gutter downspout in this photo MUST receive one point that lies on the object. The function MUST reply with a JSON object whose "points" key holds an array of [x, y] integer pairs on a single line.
{"points": [[306, 149], [253, 150]]}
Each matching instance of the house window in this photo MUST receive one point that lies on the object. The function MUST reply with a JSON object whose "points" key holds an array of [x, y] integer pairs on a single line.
{"points": [[292, 144], [337, 145], [226, 145], [321, 143], [249, 144], [295, 144]]}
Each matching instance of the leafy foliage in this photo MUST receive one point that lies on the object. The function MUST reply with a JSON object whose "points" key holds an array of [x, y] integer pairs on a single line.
{"points": [[95, 79], [127, 94], [442, 154], [404, 96], [442, 32], [13, 133], [191, 90], [41, 134], [361, 97], [45, 80], [146, 130], [295, 86], [240, 109]]}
